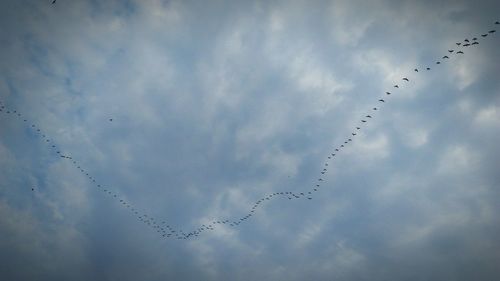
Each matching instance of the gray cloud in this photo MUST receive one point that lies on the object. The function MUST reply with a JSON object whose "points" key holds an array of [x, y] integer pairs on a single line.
{"points": [[215, 105]]}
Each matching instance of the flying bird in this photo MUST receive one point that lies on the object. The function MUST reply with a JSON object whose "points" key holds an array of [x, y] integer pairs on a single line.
{"points": [[445, 57], [466, 40], [416, 70], [368, 116], [381, 100], [492, 31], [497, 22], [474, 39], [364, 121], [428, 68], [475, 43], [406, 79], [460, 52], [484, 35], [111, 119], [458, 44], [357, 128], [387, 93], [54, 1], [374, 108], [466, 45], [451, 51], [396, 86]]}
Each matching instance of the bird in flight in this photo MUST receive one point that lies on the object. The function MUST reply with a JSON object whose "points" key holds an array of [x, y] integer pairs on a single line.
{"points": [[406, 79], [110, 119], [416, 70], [54, 1], [387, 93], [460, 52], [381, 100]]}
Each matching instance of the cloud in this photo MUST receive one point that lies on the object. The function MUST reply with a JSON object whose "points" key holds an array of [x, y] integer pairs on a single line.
{"points": [[216, 105]]}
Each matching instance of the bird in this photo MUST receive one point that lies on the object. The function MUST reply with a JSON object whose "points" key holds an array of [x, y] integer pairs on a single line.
{"points": [[416, 70], [32, 189], [474, 39], [458, 44], [451, 51], [475, 43], [484, 35], [396, 86], [387, 93], [492, 31], [381, 100], [111, 119], [368, 116], [445, 57], [357, 128], [466, 45], [460, 52], [497, 22], [364, 121], [428, 68], [353, 134], [438, 62], [406, 79], [374, 108], [53, 1], [466, 40]]}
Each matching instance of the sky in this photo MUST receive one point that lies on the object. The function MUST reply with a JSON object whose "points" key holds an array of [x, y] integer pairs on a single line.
{"points": [[217, 104]]}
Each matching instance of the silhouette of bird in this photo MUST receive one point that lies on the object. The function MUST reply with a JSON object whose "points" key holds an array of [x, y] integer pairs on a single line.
{"points": [[54, 1], [387, 93], [353, 134], [466, 45], [364, 121], [396, 86], [475, 43], [357, 128], [451, 51], [492, 31], [111, 119], [445, 57], [466, 40], [460, 52], [406, 79], [374, 108], [428, 68], [497, 22], [438, 62], [474, 39], [381, 100], [484, 35], [32, 189], [458, 44], [368, 116], [416, 70]]}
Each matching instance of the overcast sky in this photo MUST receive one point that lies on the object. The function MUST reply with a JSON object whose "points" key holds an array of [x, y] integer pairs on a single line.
{"points": [[215, 104]]}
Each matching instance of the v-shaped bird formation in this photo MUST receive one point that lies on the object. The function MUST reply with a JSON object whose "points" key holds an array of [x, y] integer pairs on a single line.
{"points": [[167, 230]]}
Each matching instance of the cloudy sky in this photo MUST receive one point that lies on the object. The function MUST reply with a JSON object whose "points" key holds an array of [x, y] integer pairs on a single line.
{"points": [[216, 104]]}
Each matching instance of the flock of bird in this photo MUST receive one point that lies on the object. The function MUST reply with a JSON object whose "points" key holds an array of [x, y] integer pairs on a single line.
{"points": [[167, 230]]}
